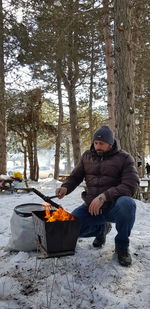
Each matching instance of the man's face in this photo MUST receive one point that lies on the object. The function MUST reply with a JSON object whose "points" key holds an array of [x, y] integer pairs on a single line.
{"points": [[101, 147]]}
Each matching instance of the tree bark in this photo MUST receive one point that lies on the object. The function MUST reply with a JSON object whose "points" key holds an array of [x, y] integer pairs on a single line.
{"points": [[2, 100], [32, 156], [124, 76], [35, 157], [59, 130], [24, 158], [70, 83], [74, 124], [140, 128], [91, 90], [69, 71], [109, 65], [68, 165], [147, 127]]}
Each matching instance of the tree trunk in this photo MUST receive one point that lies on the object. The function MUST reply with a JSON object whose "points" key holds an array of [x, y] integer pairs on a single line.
{"points": [[32, 156], [74, 125], [140, 145], [24, 160], [59, 130], [68, 166], [91, 90], [109, 65], [147, 127], [2, 100], [124, 76], [140, 128], [35, 157], [69, 70], [70, 83]]}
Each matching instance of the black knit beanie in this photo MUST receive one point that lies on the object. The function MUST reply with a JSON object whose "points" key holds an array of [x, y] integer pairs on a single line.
{"points": [[104, 134]]}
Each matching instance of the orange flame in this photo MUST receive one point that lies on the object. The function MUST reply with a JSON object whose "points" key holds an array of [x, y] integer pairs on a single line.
{"points": [[56, 215]]}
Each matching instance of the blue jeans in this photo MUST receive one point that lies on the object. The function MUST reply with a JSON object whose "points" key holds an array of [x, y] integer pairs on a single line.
{"points": [[121, 212]]}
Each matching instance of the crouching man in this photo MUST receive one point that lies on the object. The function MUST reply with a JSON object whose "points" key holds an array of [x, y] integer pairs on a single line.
{"points": [[111, 181]]}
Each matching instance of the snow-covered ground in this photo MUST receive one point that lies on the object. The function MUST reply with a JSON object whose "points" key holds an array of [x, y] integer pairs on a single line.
{"points": [[91, 278]]}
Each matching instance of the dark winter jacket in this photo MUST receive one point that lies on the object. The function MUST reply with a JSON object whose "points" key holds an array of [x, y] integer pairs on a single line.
{"points": [[113, 174]]}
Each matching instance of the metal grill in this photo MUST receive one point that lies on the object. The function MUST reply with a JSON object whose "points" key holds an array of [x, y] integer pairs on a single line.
{"points": [[56, 238]]}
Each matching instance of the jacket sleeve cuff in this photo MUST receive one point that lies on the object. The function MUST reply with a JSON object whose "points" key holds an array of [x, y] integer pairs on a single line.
{"points": [[64, 186], [108, 197]]}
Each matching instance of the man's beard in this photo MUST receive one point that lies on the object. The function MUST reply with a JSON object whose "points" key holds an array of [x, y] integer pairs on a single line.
{"points": [[100, 153]]}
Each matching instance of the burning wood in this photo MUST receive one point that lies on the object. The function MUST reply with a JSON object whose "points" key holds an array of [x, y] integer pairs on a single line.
{"points": [[56, 231], [56, 215]]}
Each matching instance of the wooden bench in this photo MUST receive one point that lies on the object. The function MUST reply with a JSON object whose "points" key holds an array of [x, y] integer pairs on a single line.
{"points": [[144, 189], [9, 185], [6, 185]]}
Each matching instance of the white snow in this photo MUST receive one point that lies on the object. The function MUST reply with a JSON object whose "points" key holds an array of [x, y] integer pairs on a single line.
{"points": [[92, 278]]}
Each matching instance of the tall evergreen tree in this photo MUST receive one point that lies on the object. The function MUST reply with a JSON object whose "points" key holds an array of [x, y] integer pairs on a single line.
{"points": [[124, 75], [109, 60], [2, 99]]}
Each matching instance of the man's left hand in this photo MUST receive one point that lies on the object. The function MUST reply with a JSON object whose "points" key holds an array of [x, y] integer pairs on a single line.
{"points": [[96, 205]]}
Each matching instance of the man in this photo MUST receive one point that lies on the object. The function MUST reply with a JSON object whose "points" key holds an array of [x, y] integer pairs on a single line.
{"points": [[147, 169], [111, 179]]}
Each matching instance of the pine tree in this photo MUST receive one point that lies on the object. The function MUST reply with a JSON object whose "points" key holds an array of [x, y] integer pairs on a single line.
{"points": [[124, 75], [2, 99]]}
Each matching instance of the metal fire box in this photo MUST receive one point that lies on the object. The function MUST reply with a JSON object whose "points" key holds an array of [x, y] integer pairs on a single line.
{"points": [[56, 238]]}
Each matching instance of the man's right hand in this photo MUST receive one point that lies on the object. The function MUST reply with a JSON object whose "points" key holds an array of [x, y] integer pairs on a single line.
{"points": [[61, 192]]}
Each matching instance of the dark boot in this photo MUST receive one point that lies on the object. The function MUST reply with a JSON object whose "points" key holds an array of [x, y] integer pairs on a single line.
{"points": [[100, 240], [124, 257]]}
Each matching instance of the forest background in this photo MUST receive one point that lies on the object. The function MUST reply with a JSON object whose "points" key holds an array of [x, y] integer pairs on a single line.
{"points": [[68, 67]]}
